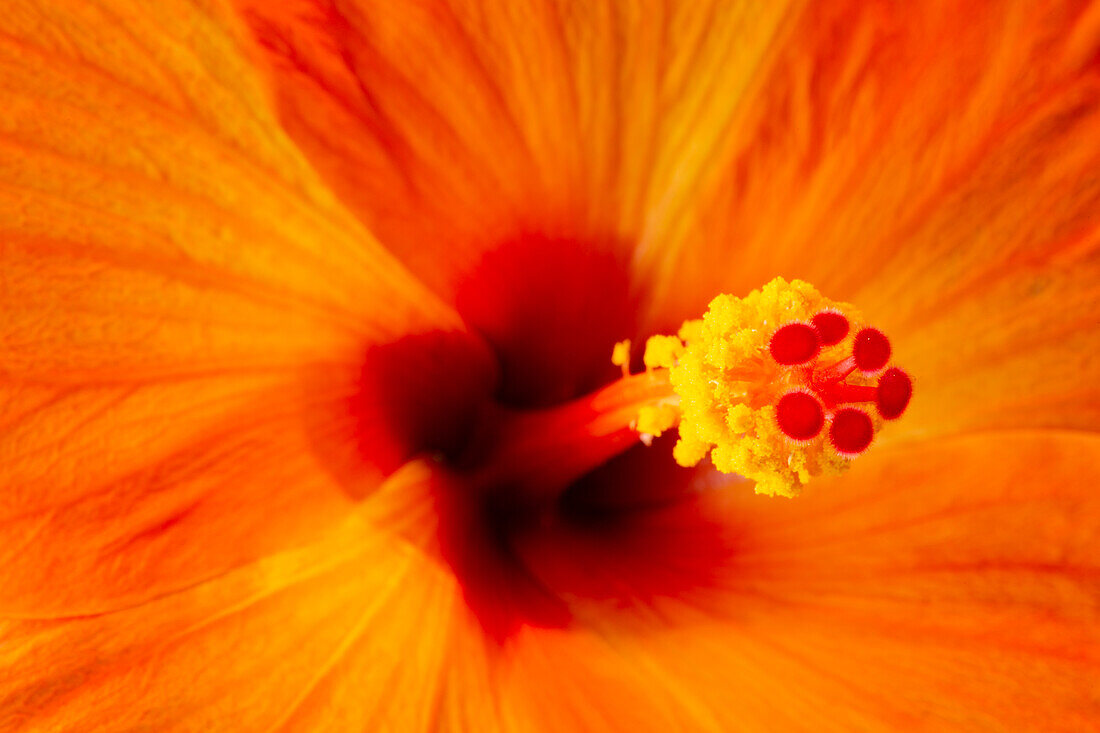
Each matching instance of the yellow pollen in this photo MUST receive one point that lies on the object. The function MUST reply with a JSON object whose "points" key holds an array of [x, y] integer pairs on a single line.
{"points": [[620, 356], [662, 351], [655, 419], [728, 386]]}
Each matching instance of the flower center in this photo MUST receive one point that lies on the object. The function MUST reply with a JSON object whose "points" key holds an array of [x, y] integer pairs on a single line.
{"points": [[777, 387], [542, 498]]}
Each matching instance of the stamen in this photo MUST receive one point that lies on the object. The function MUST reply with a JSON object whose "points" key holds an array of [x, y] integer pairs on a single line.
{"points": [[851, 431], [794, 343], [620, 356]]}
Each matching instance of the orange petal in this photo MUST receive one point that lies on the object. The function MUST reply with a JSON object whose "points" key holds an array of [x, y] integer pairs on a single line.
{"points": [[949, 584], [172, 274], [937, 169], [452, 126], [950, 580], [348, 633]]}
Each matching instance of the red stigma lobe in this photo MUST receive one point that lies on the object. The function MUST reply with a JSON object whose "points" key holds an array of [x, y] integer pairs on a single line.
{"points": [[800, 415], [831, 327], [851, 431], [822, 394], [894, 391], [871, 350], [778, 386], [794, 343]]}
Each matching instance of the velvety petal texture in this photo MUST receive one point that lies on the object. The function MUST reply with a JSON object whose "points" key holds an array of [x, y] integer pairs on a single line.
{"points": [[451, 127], [259, 260], [964, 596], [173, 273], [320, 631], [934, 163]]}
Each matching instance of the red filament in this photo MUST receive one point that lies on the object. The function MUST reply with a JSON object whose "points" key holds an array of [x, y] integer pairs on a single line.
{"points": [[895, 389], [794, 343], [800, 415], [831, 326], [871, 350], [839, 393], [851, 431]]}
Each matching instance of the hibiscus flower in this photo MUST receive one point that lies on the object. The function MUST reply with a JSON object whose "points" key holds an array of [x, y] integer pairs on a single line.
{"points": [[303, 302]]}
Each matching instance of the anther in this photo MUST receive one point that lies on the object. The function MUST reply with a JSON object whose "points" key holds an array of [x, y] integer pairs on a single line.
{"points": [[894, 391], [793, 344], [851, 431], [871, 350], [831, 326], [799, 415]]}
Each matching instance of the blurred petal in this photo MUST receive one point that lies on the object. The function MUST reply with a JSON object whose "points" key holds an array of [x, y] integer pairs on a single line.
{"points": [[966, 596], [953, 580], [937, 166], [189, 313], [949, 585], [345, 634], [452, 125], [170, 271]]}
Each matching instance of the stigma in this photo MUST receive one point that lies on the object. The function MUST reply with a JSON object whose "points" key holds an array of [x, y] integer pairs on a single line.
{"points": [[779, 386]]}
